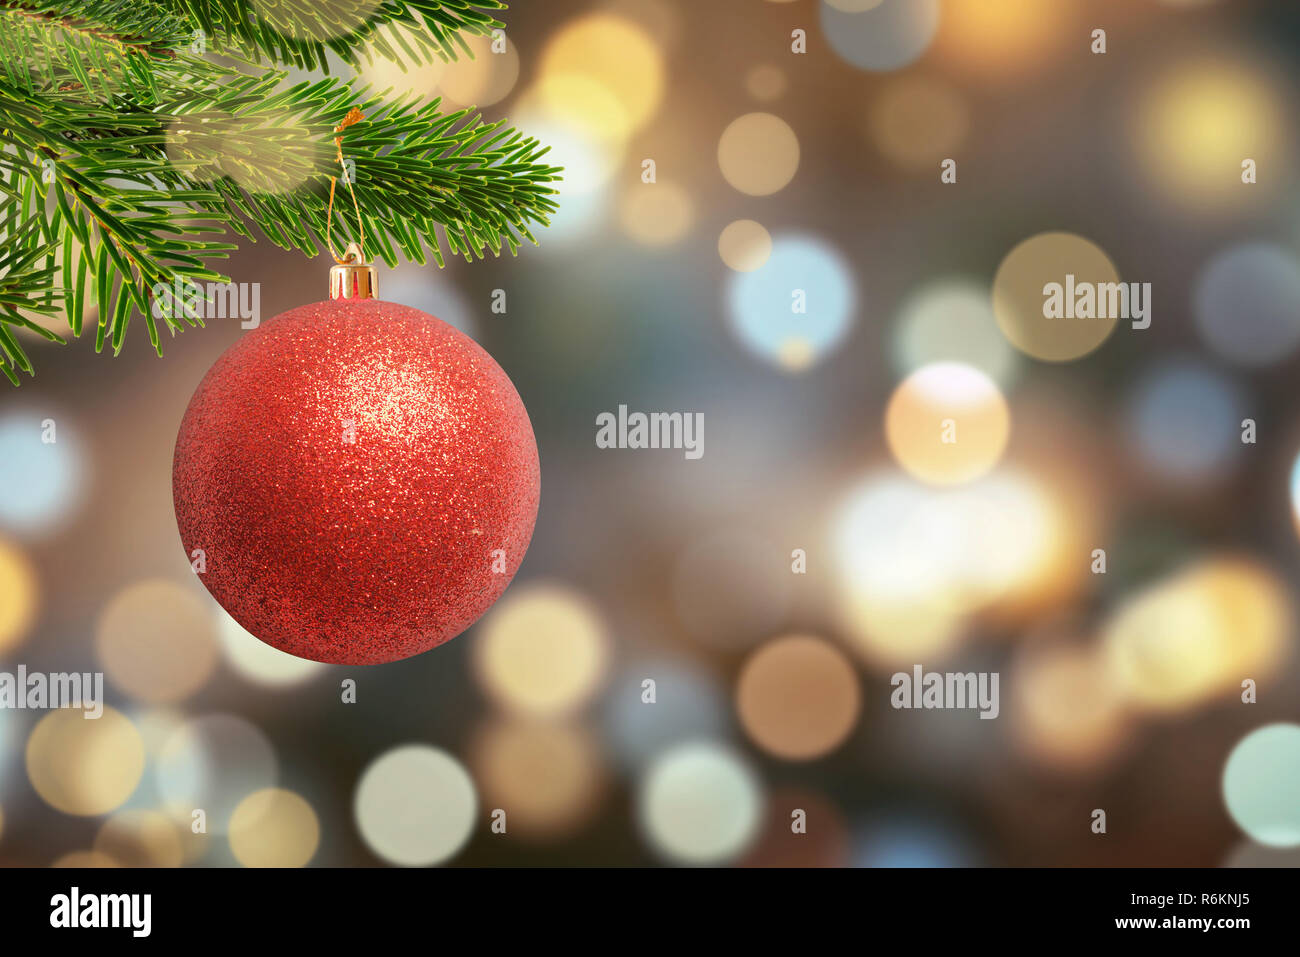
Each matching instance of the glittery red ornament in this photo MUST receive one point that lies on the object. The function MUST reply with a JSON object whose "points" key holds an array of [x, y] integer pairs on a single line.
{"points": [[361, 478]]}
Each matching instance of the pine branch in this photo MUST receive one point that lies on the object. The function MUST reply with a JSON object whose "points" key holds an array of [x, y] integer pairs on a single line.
{"points": [[100, 48], [126, 158], [414, 169], [300, 31]]}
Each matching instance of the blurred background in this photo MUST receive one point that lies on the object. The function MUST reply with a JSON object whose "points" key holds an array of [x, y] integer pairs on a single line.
{"points": [[774, 171]]}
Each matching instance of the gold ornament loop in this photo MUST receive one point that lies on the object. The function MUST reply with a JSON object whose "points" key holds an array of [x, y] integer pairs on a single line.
{"points": [[354, 116]]}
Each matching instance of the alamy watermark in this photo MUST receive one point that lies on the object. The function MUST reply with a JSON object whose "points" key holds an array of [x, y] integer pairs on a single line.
{"points": [[131, 912], [184, 298], [957, 690], [37, 690], [651, 430], [1089, 300]]}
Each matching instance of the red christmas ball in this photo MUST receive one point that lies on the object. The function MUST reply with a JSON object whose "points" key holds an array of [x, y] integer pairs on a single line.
{"points": [[356, 481]]}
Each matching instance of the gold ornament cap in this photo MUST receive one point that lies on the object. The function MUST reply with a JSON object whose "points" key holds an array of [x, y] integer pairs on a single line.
{"points": [[353, 277]]}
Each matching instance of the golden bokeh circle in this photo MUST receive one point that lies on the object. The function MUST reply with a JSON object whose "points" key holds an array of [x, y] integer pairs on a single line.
{"points": [[798, 697], [1199, 632], [543, 650], [744, 245], [419, 81], [918, 121], [483, 79], [947, 423], [19, 595], [85, 766], [758, 154], [545, 776], [605, 72], [1195, 123], [1070, 711], [1020, 295], [656, 214], [1007, 36], [140, 838], [274, 827], [157, 641]]}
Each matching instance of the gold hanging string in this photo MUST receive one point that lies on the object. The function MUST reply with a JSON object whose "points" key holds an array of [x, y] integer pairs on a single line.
{"points": [[354, 116]]}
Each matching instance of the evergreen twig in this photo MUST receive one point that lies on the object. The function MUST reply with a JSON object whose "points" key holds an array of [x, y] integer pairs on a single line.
{"points": [[129, 152]]}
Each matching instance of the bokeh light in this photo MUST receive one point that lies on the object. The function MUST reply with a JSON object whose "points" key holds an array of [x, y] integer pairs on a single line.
{"points": [[484, 78], [1019, 296], [1198, 120], [1067, 709], [274, 828], [415, 805], [602, 73], [1184, 422], [1249, 854], [84, 766], [914, 563], [19, 596], [1295, 493], [905, 842], [431, 292], [901, 596], [547, 777], [947, 423], [543, 650], [1245, 304], [256, 661], [156, 641], [1006, 37], [43, 480], [918, 121], [795, 308], [140, 838], [408, 78], [1200, 632], [758, 154], [798, 697], [699, 803], [588, 165], [211, 763], [1261, 784], [744, 245], [656, 214], [883, 36], [952, 320], [687, 705]]}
